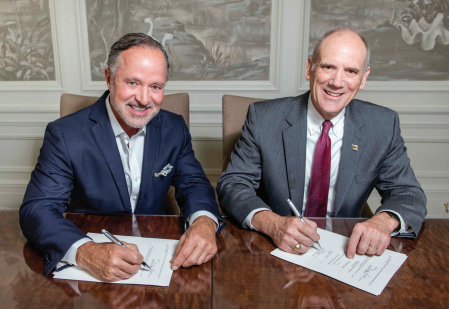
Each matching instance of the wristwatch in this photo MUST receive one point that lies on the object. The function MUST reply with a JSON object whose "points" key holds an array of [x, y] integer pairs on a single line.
{"points": [[394, 216]]}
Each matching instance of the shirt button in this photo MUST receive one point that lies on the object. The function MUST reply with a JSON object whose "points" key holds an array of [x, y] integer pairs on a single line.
{"points": [[134, 198], [136, 179]]}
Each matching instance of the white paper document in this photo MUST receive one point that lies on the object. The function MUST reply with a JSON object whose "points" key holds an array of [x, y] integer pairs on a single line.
{"points": [[368, 273], [156, 252]]}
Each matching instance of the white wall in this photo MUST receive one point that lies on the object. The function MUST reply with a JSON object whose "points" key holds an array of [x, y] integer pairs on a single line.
{"points": [[26, 107]]}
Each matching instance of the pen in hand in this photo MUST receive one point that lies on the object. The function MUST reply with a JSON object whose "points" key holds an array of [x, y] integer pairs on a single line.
{"points": [[296, 212], [118, 242]]}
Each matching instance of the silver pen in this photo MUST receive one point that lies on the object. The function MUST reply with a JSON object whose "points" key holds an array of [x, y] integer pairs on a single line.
{"points": [[296, 212], [118, 242]]}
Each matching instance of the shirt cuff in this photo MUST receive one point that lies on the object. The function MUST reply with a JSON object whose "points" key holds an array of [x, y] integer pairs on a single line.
{"points": [[70, 256], [206, 213], [247, 222], [403, 226]]}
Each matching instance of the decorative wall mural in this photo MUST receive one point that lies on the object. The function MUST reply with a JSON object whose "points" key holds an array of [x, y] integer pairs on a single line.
{"points": [[409, 39], [205, 40], [26, 45]]}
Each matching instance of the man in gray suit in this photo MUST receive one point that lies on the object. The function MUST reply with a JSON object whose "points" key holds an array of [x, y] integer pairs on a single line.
{"points": [[325, 151]]}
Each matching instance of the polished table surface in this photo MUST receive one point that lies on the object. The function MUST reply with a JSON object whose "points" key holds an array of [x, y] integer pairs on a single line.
{"points": [[243, 274]]}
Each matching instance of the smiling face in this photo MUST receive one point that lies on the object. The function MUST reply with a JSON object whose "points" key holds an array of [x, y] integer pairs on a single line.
{"points": [[338, 73], [137, 88]]}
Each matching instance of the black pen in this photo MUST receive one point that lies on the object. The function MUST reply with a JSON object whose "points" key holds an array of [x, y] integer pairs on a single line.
{"points": [[296, 212], [118, 242]]}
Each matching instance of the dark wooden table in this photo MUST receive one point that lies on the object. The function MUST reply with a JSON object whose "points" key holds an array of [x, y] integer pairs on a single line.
{"points": [[242, 275]]}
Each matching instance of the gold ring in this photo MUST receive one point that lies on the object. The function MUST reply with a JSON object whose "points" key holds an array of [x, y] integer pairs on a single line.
{"points": [[373, 247], [297, 247]]}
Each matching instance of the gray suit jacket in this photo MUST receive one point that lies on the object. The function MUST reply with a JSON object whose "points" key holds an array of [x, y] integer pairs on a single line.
{"points": [[268, 164]]}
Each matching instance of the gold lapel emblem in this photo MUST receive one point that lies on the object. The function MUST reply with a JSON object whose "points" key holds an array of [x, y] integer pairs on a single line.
{"points": [[355, 147]]}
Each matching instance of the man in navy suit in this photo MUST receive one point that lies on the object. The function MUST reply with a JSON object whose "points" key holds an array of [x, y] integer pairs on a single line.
{"points": [[108, 159]]}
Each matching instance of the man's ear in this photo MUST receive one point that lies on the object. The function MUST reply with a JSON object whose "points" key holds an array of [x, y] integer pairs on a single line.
{"points": [[309, 68], [107, 74], [365, 76]]}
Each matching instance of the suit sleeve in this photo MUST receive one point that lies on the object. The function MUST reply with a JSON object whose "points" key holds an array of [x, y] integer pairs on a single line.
{"points": [[238, 184], [46, 198], [398, 186], [193, 190]]}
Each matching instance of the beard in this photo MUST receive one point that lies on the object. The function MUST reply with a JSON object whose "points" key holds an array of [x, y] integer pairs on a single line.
{"points": [[131, 120]]}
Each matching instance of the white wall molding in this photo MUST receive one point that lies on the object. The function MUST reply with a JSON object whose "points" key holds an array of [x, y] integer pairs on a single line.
{"points": [[217, 109], [13, 184], [216, 171], [212, 171], [32, 109], [207, 138], [16, 169], [303, 45], [21, 137], [272, 84], [419, 139], [408, 139]]}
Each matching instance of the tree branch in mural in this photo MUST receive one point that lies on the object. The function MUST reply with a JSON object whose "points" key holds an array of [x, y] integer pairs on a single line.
{"points": [[26, 47], [205, 40], [425, 21]]}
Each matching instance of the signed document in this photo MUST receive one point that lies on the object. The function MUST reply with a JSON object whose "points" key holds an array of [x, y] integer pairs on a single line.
{"points": [[368, 273], [156, 252]]}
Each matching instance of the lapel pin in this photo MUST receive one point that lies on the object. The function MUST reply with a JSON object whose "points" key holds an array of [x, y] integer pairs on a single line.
{"points": [[355, 147], [167, 169]]}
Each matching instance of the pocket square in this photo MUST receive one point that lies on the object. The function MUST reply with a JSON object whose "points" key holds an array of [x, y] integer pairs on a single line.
{"points": [[165, 171]]}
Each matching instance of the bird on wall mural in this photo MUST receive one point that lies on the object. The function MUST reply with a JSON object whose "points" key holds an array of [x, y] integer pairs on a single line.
{"points": [[149, 21], [167, 36]]}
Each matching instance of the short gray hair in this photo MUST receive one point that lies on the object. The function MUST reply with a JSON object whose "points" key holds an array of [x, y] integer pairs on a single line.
{"points": [[320, 41], [130, 40]]}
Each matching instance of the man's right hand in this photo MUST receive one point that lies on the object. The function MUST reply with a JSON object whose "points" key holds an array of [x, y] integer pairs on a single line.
{"points": [[286, 232], [109, 262]]}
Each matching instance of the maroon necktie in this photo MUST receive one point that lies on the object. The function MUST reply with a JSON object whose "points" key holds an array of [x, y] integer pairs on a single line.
{"points": [[321, 171]]}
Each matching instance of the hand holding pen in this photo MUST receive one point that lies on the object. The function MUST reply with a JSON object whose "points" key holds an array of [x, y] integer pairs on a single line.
{"points": [[118, 242], [296, 212]]}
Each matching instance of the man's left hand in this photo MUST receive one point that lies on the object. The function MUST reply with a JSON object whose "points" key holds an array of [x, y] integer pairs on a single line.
{"points": [[372, 236], [197, 245]]}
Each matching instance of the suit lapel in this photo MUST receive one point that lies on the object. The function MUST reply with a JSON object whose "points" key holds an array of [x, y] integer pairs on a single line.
{"points": [[295, 141], [105, 138], [349, 158], [150, 156]]}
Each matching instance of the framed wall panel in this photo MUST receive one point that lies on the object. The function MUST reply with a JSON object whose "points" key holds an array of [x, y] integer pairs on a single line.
{"points": [[29, 53], [409, 40], [237, 49]]}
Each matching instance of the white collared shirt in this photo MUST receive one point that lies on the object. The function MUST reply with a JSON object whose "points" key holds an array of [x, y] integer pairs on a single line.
{"points": [[314, 127], [131, 154]]}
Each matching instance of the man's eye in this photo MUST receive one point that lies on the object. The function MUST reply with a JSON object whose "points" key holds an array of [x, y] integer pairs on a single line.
{"points": [[132, 83], [156, 87]]}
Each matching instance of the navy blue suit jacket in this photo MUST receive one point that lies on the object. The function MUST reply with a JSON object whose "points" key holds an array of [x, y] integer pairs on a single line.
{"points": [[79, 163]]}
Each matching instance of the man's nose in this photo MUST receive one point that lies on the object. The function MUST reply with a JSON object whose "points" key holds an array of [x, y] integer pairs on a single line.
{"points": [[142, 96], [337, 79]]}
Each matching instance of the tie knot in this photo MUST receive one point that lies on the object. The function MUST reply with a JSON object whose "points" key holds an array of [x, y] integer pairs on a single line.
{"points": [[327, 124]]}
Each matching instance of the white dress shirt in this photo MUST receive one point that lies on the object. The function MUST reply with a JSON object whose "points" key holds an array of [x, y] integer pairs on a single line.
{"points": [[131, 154], [314, 127]]}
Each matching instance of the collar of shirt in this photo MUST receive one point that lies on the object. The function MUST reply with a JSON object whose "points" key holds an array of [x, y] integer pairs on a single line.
{"points": [[116, 127], [315, 120]]}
